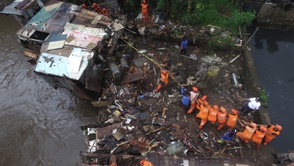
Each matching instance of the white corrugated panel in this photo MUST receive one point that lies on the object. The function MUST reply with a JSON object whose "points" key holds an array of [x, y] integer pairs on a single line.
{"points": [[57, 65]]}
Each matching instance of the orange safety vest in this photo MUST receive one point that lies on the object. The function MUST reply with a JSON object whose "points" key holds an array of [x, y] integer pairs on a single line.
{"points": [[212, 116], [203, 112], [258, 136], [269, 135], [232, 120], [221, 117], [164, 78], [144, 8], [200, 103], [248, 132], [105, 12]]}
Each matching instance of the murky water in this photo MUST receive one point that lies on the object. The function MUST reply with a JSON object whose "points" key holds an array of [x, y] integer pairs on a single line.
{"points": [[273, 55], [39, 125]]}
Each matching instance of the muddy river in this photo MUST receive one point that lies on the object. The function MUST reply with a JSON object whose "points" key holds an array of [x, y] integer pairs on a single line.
{"points": [[273, 55], [39, 125]]}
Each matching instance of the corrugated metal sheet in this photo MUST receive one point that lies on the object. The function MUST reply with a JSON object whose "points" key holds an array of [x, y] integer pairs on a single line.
{"points": [[43, 15], [10, 9], [58, 65], [81, 36]]}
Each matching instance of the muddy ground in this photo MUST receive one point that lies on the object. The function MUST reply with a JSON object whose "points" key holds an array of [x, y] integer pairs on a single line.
{"points": [[159, 119]]}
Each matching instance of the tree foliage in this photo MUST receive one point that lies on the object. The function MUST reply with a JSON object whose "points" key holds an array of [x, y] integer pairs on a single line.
{"points": [[222, 13]]}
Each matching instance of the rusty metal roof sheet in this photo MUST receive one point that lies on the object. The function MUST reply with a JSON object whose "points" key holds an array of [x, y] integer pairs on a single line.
{"points": [[72, 67]]}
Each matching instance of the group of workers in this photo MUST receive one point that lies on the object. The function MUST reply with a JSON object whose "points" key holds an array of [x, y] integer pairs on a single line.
{"points": [[219, 115], [96, 8]]}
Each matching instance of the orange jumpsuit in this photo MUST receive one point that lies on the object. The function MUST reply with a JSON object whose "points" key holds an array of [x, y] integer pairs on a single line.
{"points": [[221, 118], [246, 135], [232, 120], [144, 11], [193, 99], [203, 114], [212, 116], [104, 12], [163, 81], [270, 134], [257, 137]]}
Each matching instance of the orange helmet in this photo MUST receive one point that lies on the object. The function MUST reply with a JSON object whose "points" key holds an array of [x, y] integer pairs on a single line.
{"points": [[164, 71], [263, 128], [94, 5], [279, 127], [235, 112], [215, 107], [204, 98], [142, 162], [252, 124], [223, 109], [205, 103], [84, 5], [195, 89]]}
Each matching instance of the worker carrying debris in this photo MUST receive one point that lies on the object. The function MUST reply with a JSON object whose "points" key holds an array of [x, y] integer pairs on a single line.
{"points": [[247, 134], [203, 114], [193, 99], [163, 80], [272, 132], [232, 119], [144, 6], [212, 116], [221, 118], [258, 135]]}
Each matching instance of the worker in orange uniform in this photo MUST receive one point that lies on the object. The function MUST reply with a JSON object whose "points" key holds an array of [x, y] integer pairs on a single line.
{"points": [[144, 6], [232, 119], [247, 134], [272, 132], [203, 113], [96, 8], [221, 117], [193, 99], [104, 12], [201, 101], [145, 163], [258, 135], [163, 80], [212, 116]]}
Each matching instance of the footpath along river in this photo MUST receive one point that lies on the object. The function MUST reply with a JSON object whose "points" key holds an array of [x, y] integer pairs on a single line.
{"points": [[39, 125], [274, 58]]}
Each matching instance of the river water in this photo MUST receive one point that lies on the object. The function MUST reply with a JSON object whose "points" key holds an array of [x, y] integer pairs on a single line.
{"points": [[39, 125], [273, 53]]}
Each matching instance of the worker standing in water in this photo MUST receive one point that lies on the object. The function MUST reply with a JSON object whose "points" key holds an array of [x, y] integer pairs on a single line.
{"points": [[144, 6]]}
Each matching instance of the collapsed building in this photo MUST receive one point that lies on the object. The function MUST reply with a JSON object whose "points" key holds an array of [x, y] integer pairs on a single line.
{"points": [[95, 57], [71, 46]]}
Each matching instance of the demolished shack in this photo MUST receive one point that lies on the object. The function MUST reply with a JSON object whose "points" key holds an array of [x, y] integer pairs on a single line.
{"points": [[72, 46]]}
